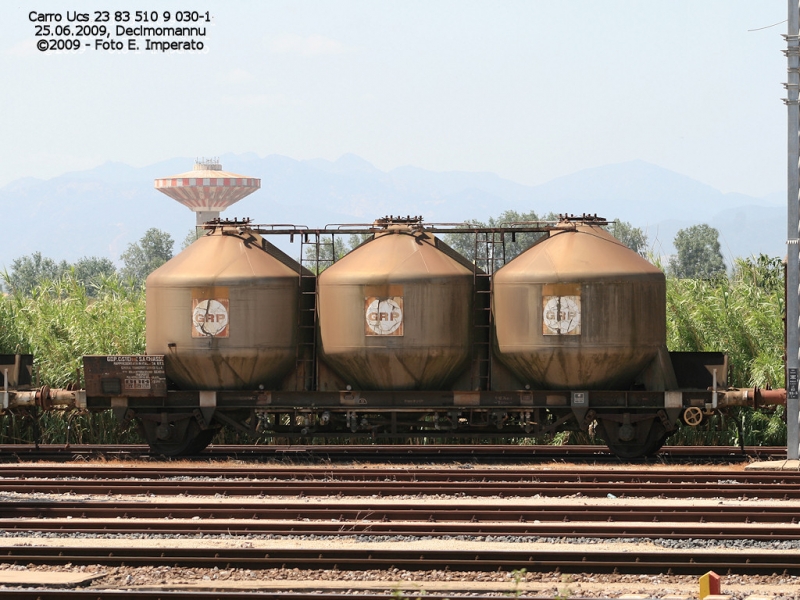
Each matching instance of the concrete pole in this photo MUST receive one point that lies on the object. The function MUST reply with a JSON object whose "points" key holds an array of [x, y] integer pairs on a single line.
{"points": [[203, 216], [793, 254]]}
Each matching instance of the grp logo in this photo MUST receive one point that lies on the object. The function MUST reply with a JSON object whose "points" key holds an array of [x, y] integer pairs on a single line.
{"points": [[384, 316], [210, 318], [561, 315]]}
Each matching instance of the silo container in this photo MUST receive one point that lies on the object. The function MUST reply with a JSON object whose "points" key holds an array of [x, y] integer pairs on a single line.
{"points": [[579, 310], [224, 312], [396, 313]]}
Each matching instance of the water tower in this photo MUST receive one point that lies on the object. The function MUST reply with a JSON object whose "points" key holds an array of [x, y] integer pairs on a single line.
{"points": [[207, 189]]}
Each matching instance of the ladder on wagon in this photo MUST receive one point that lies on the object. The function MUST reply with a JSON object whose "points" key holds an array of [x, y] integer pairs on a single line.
{"points": [[317, 252], [489, 255]]}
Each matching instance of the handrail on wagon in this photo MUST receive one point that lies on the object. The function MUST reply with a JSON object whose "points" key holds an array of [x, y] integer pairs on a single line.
{"points": [[564, 223]]}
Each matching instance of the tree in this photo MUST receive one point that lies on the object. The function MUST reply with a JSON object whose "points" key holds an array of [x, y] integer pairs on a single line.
{"points": [[465, 244], [699, 255], [633, 237], [145, 256], [521, 241], [29, 271], [89, 271], [327, 249]]}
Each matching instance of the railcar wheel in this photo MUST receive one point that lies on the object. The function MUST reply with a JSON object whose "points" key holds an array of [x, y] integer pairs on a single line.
{"points": [[627, 451], [655, 440], [656, 437], [178, 438]]}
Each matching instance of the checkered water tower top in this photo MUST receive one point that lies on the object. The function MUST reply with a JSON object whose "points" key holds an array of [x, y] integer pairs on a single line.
{"points": [[207, 188]]}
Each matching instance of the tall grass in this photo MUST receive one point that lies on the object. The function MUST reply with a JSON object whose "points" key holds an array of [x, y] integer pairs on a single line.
{"points": [[60, 322], [23, 427], [741, 315]]}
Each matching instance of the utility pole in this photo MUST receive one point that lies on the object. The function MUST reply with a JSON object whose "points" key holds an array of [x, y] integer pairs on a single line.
{"points": [[793, 237]]}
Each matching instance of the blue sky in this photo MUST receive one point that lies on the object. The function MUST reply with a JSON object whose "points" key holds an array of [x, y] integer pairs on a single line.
{"points": [[530, 90]]}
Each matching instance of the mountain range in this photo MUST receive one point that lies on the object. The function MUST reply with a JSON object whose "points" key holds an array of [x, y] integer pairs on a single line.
{"points": [[99, 212]]}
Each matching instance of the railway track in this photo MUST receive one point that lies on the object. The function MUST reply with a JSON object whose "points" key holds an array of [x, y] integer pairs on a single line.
{"points": [[600, 561], [738, 490], [351, 481], [494, 453], [498, 532], [495, 512], [527, 514], [507, 520]]}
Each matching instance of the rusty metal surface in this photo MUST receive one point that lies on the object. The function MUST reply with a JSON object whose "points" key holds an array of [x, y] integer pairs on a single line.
{"points": [[131, 376], [601, 560], [753, 397], [46, 398], [496, 453], [252, 479], [395, 313], [579, 310], [224, 312]]}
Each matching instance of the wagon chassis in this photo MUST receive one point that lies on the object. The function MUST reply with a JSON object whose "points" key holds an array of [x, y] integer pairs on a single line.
{"points": [[303, 416]]}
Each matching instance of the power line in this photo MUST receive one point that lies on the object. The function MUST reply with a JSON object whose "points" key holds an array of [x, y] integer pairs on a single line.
{"points": [[768, 26]]}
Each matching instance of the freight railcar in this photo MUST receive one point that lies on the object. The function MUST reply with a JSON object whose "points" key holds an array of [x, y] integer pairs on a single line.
{"points": [[405, 338]]}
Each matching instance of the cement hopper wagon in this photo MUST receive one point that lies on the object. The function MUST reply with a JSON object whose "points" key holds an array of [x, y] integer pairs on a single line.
{"points": [[581, 311], [396, 313], [398, 340], [224, 315]]}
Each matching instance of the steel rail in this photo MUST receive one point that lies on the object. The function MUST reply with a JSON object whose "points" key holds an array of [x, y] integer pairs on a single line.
{"points": [[626, 530], [400, 511], [677, 562], [621, 489], [395, 474], [99, 593], [457, 473]]}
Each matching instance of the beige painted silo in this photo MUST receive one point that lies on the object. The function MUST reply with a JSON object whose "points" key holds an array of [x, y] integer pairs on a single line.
{"points": [[579, 310], [396, 313], [224, 312]]}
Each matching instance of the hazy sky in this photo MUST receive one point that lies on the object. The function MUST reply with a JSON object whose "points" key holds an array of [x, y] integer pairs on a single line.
{"points": [[530, 90]]}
